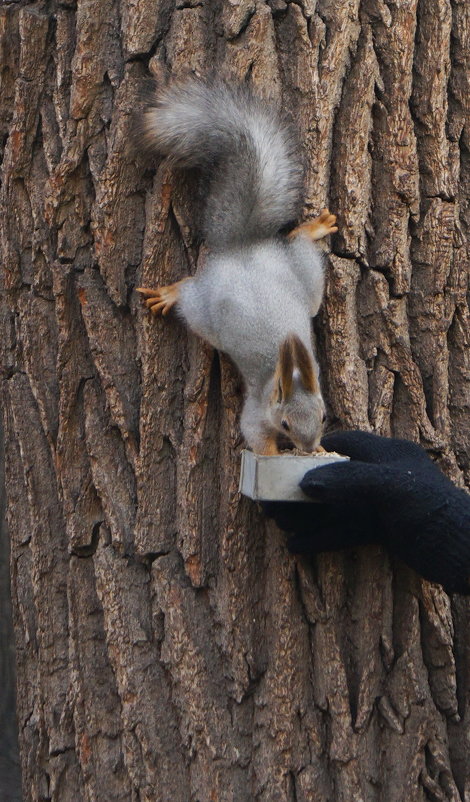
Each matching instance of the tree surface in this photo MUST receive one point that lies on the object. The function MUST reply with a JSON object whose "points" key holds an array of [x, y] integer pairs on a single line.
{"points": [[168, 647], [10, 781]]}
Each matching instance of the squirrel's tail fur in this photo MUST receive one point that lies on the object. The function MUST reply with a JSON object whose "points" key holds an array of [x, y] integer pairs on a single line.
{"points": [[249, 154]]}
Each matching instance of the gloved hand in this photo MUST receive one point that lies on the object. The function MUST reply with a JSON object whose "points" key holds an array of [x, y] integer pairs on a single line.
{"points": [[389, 493]]}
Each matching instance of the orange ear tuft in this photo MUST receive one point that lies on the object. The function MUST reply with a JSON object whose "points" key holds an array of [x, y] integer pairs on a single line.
{"points": [[285, 369], [303, 361]]}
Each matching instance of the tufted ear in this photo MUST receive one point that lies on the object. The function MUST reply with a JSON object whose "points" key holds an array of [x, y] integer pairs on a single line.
{"points": [[284, 370], [303, 361]]}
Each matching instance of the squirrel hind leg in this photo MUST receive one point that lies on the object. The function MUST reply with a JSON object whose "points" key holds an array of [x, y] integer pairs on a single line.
{"points": [[319, 227], [161, 299]]}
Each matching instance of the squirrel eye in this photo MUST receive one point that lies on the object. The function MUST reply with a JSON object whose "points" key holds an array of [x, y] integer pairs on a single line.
{"points": [[285, 425]]}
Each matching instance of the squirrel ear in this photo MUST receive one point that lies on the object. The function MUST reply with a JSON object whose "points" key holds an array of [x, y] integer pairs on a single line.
{"points": [[304, 363], [285, 369]]}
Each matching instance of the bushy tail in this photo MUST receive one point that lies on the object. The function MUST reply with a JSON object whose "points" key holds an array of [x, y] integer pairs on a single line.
{"points": [[248, 153]]}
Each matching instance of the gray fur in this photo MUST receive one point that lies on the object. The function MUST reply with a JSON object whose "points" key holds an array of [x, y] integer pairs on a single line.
{"points": [[255, 288], [245, 302], [250, 157]]}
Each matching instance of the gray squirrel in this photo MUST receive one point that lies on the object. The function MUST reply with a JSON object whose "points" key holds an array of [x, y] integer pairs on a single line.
{"points": [[257, 292]]}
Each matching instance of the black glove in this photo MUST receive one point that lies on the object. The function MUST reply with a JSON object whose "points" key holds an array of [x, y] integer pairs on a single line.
{"points": [[389, 493]]}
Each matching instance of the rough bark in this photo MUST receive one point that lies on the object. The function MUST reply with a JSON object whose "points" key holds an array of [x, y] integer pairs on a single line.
{"points": [[10, 781], [168, 647]]}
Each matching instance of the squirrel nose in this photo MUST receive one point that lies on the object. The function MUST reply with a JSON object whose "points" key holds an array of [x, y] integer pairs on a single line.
{"points": [[310, 445]]}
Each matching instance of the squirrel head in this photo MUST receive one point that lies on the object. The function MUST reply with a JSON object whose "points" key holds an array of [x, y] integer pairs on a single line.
{"points": [[296, 405]]}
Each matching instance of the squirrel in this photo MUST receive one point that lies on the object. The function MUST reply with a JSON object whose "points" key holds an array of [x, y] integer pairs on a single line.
{"points": [[257, 292]]}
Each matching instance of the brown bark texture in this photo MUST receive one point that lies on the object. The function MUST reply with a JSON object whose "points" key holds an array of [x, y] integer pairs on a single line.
{"points": [[168, 646], [10, 781]]}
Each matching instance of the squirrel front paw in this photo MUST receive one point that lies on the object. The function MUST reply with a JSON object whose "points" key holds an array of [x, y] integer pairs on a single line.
{"points": [[161, 299], [266, 446], [320, 227]]}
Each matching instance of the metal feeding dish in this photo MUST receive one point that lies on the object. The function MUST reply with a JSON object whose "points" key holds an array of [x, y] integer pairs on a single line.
{"points": [[277, 478]]}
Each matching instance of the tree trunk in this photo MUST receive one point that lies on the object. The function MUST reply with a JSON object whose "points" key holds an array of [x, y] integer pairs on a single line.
{"points": [[168, 647], [10, 781]]}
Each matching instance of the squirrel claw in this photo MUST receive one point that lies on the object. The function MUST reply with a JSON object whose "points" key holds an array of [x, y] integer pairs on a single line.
{"points": [[321, 226], [327, 221], [161, 299]]}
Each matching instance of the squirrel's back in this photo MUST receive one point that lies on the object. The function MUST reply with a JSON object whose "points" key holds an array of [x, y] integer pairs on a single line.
{"points": [[249, 155]]}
